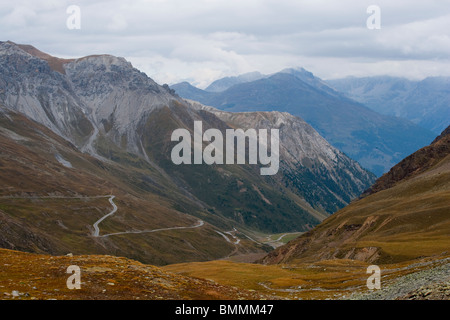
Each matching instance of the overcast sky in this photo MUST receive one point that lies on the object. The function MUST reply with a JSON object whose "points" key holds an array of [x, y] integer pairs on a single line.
{"points": [[202, 40]]}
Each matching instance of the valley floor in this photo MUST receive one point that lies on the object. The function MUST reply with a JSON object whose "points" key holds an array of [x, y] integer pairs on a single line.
{"points": [[27, 276]]}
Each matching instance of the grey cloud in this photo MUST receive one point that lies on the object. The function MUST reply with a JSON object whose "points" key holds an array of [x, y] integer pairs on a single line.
{"points": [[206, 39]]}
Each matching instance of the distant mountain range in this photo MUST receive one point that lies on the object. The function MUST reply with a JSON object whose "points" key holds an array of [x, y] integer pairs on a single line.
{"points": [[425, 102], [73, 131], [227, 82], [376, 141]]}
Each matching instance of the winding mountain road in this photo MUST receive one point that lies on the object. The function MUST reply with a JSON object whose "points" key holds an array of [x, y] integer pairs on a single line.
{"points": [[96, 229], [199, 224], [114, 210]]}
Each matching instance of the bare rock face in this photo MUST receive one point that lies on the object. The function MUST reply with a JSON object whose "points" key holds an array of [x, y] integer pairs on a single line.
{"points": [[29, 85], [116, 96], [307, 159]]}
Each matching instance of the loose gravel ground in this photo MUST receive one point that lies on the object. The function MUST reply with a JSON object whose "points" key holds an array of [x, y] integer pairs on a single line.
{"points": [[431, 284]]}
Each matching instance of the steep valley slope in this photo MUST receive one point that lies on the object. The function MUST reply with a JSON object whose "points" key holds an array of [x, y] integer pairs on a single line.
{"points": [[405, 215]]}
